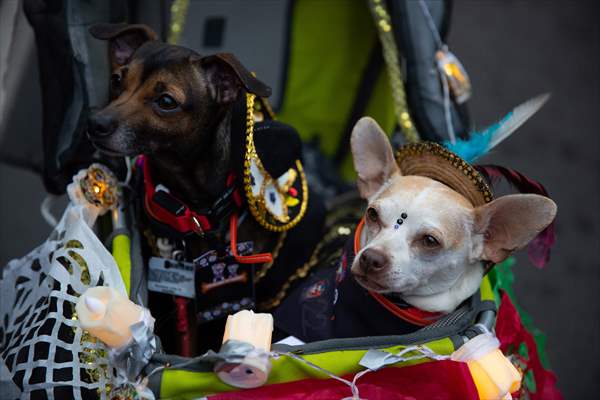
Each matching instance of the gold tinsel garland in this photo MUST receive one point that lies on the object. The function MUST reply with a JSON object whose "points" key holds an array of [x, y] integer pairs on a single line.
{"points": [[178, 13], [392, 61]]}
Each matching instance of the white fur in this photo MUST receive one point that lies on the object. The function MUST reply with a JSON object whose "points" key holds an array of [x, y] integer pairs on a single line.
{"points": [[438, 283], [439, 278]]}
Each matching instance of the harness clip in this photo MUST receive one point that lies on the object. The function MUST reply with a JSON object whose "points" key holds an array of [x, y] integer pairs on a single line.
{"points": [[197, 227]]}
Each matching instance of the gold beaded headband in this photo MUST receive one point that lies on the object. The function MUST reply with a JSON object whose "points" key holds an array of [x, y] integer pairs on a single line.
{"points": [[436, 162]]}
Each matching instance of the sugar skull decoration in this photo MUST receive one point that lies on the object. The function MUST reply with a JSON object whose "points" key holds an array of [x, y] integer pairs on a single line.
{"points": [[277, 193]]}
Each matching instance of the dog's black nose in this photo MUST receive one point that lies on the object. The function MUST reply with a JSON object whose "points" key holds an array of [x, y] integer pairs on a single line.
{"points": [[101, 125], [373, 260]]}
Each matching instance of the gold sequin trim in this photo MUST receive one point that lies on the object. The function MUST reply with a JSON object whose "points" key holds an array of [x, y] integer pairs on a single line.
{"points": [[256, 205], [417, 149]]}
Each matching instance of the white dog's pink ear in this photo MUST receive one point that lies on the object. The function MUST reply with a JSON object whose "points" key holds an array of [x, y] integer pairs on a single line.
{"points": [[373, 156], [511, 222]]}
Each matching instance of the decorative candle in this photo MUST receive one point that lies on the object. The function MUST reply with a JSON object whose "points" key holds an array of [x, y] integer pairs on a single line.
{"points": [[252, 370], [107, 315], [246, 326], [493, 374]]}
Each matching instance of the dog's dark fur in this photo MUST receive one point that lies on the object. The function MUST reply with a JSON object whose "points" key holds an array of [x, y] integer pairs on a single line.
{"points": [[175, 106], [190, 144]]}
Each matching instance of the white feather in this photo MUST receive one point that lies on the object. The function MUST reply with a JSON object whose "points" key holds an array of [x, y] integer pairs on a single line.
{"points": [[517, 118]]}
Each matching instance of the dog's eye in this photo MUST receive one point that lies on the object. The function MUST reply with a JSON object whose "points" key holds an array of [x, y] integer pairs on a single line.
{"points": [[430, 242], [372, 214], [166, 102]]}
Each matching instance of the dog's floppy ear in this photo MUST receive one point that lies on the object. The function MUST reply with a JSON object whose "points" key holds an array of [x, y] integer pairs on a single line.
{"points": [[123, 39], [226, 75], [510, 222], [373, 156]]}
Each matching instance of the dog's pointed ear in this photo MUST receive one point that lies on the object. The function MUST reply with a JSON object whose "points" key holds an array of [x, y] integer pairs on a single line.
{"points": [[373, 156], [510, 222], [123, 39], [226, 75]]}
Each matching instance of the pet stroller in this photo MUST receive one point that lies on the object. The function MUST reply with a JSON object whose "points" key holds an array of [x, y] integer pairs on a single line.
{"points": [[48, 355], [331, 368]]}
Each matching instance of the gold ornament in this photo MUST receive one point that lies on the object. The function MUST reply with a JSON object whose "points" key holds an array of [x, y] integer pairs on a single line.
{"points": [[259, 185], [99, 186]]}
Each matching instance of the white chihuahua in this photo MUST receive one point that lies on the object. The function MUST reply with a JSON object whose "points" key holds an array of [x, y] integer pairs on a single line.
{"points": [[430, 232], [423, 241]]}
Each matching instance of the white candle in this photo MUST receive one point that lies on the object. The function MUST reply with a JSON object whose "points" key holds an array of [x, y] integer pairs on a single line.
{"points": [[253, 370], [493, 374], [246, 326], [107, 315]]}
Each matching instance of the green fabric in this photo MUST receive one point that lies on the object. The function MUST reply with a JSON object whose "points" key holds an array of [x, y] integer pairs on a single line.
{"points": [[178, 384], [486, 292], [502, 278], [121, 251], [380, 108], [329, 49]]}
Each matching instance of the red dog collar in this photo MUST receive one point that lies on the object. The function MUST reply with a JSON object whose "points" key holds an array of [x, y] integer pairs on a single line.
{"points": [[174, 213], [180, 218], [413, 315]]}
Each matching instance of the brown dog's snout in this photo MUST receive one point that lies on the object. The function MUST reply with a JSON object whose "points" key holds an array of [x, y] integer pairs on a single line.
{"points": [[373, 260], [100, 125]]}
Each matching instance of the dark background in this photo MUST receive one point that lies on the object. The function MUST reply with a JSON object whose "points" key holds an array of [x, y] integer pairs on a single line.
{"points": [[513, 50]]}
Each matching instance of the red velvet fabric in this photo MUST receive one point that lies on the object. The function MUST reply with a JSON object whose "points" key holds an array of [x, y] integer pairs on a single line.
{"points": [[438, 380], [512, 334]]}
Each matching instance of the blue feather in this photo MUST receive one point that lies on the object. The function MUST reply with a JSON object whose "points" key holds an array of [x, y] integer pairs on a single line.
{"points": [[480, 143]]}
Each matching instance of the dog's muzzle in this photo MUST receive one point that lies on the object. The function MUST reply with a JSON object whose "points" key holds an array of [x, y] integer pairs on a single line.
{"points": [[101, 126], [373, 261]]}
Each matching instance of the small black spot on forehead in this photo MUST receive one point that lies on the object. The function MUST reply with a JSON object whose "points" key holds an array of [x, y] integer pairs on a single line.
{"points": [[156, 56]]}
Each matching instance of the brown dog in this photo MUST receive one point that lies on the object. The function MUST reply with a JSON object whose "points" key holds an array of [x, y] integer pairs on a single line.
{"points": [[170, 103], [178, 109]]}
